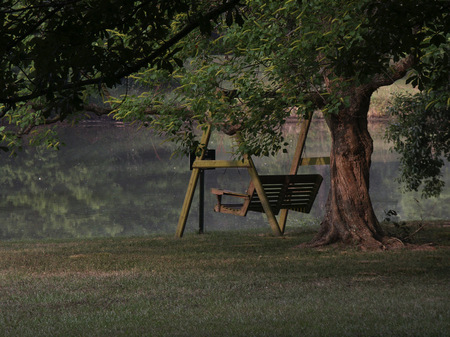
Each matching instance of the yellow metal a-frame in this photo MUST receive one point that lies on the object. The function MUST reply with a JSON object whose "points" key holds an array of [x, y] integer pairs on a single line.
{"points": [[199, 164]]}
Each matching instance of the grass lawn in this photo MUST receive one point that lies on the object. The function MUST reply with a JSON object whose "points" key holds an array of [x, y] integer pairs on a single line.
{"points": [[223, 284]]}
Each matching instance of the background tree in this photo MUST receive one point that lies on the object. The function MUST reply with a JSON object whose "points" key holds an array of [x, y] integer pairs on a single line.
{"points": [[295, 57], [52, 51]]}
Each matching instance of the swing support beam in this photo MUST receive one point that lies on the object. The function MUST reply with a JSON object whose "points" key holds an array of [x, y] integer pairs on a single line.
{"points": [[192, 184], [296, 162], [199, 164]]}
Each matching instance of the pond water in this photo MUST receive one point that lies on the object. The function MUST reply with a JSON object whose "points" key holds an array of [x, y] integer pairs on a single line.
{"points": [[115, 180]]}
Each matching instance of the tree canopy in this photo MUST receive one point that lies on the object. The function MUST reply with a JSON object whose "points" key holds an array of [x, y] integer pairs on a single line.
{"points": [[51, 51], [291, 58], [421, 135]]}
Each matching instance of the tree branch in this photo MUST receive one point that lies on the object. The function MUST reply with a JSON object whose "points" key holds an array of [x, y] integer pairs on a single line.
{"points": [[139, 64], [37, 24], [398, 70], [36, 6]]}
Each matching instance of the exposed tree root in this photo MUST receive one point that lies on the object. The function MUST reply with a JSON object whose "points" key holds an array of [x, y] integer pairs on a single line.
{"points": [[364, 244], [387, 243]]}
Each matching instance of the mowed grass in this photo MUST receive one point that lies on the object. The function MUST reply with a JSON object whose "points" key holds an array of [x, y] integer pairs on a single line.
{"points": [[223, 284]]}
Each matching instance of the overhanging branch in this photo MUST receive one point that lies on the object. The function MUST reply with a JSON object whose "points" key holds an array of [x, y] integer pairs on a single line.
{"points": [[397, 71], [139, 64]]}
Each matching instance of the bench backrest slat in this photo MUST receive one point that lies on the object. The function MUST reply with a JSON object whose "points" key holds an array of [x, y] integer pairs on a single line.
{"points": [[294, 192]]}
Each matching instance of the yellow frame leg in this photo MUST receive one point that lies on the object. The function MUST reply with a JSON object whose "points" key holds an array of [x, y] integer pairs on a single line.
{"points": [[296, 162], [264, 201], [192, 185]]}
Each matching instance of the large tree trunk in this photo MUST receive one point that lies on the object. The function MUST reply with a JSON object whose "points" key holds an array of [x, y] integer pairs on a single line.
{"points": [[349, 216]]}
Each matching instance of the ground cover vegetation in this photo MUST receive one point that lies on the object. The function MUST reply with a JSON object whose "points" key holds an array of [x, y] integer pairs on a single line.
{"points": [[263, 61], [223, 284]]}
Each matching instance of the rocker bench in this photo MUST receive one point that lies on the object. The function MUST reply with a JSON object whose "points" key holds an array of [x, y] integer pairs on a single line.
{"points": [[293, 192]]}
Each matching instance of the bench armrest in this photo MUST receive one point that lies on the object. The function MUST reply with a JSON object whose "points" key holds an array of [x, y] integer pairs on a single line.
{"points": [[218, 192]]}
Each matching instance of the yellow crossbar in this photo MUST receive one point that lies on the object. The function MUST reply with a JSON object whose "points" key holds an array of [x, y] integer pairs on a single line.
{"points": [[203, 164]]}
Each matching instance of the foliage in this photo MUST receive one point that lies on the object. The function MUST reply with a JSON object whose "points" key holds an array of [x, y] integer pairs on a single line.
{"points": [[404, 231], [249, 75], [420, 130], [51, 51], [421, 135], [286, 58]]}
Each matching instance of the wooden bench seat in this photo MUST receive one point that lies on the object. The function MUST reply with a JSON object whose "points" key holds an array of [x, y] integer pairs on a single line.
{"points": [[293, 192]]}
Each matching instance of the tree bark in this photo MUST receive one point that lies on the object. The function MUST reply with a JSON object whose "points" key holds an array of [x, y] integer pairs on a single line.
{"points": [[349, 216]]}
